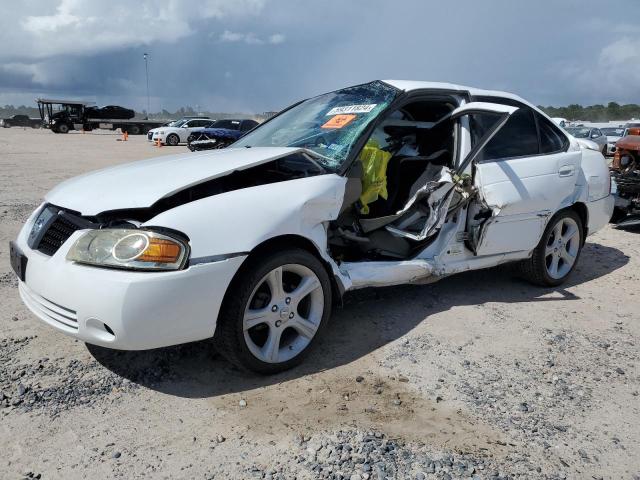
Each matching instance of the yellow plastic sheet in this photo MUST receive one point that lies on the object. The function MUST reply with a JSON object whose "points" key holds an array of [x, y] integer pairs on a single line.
{"points": [[374, 174]]}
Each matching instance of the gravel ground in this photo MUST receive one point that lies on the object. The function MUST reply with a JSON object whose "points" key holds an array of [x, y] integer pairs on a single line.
{"points": [[478, 376]]}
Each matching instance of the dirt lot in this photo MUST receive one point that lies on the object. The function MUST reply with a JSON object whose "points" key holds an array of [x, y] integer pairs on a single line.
{"points": [[478, 376]]}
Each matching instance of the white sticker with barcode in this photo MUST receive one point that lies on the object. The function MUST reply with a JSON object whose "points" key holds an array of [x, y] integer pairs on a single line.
{"points": [[352, 109]]}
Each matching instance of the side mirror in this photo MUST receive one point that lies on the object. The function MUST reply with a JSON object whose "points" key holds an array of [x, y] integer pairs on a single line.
{"points": [[594, 135]]}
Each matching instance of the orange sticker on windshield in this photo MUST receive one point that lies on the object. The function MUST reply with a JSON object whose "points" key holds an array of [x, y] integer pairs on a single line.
{"points": [[339, 121]]}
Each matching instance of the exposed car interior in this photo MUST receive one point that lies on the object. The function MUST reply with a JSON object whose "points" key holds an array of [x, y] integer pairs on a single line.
{"points": [[402, 174]]}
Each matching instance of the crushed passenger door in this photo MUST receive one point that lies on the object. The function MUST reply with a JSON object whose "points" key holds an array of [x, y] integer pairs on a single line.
{"points": [[518, 195], [439, 197]]}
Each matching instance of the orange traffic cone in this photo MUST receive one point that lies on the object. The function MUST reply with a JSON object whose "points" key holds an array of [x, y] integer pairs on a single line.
{"points": [[125, 136], [158, 142]]}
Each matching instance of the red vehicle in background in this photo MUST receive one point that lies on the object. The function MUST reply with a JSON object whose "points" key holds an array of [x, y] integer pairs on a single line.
{"points": [[625, 175]]}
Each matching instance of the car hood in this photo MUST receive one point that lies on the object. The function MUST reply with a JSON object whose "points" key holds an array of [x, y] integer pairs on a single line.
{"points": [[630, 142], [140, 184], [586, 143], [170, 129]]}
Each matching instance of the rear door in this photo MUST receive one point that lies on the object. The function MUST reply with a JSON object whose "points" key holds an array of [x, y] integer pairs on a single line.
{"points": [[524, 174]]}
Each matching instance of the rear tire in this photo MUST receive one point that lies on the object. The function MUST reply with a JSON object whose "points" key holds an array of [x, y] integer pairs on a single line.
{"points": [[135, 130], [558, 251], [274, 311]]}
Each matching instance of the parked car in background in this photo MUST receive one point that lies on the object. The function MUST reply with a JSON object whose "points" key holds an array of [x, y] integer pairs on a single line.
{"points": [[170, 123], [20, 121], [411, 182], [110, 112], [613, 134], [590, 133], [178, 131], [219, 134]]}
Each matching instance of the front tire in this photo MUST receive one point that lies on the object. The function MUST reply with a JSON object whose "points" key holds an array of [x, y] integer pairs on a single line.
{"points": [[173, 139], [557, 254], [274, 311]]}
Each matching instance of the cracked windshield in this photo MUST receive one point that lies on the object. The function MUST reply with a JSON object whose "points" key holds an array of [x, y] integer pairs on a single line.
{"points": [[328, 125]]}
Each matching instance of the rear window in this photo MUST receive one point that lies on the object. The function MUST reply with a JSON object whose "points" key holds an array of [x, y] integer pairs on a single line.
{"points": [[551, 138]]}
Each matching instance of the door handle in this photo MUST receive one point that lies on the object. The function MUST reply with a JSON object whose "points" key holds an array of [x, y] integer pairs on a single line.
{"points": [[566, 171]]}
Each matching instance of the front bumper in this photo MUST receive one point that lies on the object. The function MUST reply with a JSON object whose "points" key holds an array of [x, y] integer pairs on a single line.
{"points": [[121, 309], [157, 136]]}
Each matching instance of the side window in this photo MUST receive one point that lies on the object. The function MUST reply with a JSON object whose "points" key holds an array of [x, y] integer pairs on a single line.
{"points": [[247, 125], [596, 133], [518, 138], [551, 138], [229, 124]]}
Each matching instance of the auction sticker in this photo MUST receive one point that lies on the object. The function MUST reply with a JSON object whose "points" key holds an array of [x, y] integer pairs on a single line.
{"points": [[351, 109], [339, 121]]}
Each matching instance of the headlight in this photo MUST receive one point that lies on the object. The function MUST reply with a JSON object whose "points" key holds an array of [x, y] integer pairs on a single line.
{"points": [[129, 248]]}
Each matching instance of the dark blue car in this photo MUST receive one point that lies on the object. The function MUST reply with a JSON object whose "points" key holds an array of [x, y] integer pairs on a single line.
{"points": [[219, 134]]}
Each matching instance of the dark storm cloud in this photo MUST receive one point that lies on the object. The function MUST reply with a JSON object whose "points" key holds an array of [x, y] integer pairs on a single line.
{"points": [[263, 55]]}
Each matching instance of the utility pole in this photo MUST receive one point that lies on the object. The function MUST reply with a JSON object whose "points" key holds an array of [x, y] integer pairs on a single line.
{"points": [[146, 68]]}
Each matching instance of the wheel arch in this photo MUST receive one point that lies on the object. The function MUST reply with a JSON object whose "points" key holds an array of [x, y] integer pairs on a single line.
{"points": [[583, 212], [284, 242]]}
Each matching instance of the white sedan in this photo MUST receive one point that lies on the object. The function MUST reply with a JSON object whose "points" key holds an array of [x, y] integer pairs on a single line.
{"points": [[177, 132], [378, 184]]}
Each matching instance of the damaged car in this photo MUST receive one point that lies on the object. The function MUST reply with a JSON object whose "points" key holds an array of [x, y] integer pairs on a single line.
{"points": [[384, 183], [625, 173], [219, 134]]}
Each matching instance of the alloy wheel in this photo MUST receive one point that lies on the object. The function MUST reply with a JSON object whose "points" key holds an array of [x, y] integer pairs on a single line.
{"points": [[283, 313], [562, 248]]}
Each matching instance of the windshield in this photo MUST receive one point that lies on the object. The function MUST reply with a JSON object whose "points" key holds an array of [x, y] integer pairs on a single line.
{"points": [[579, 132], [612, 132], [328, 125], [178, 123]]}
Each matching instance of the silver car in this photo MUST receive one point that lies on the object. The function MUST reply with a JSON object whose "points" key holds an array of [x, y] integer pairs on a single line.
{"points": [[590, 133], [613, 134]]}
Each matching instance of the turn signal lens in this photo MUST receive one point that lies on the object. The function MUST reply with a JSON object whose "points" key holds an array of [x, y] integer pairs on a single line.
{"points": [[161, 251]]}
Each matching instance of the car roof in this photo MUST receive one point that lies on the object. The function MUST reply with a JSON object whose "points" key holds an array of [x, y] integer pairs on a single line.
{"points": [[410, 85]]}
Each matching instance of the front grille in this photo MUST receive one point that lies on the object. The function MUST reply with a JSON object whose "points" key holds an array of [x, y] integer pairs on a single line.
{"points": [[55, 236], [47, 310]]}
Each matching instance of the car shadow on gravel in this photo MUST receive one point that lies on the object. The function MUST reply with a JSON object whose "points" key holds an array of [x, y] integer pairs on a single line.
{"points": [[368, 320]]}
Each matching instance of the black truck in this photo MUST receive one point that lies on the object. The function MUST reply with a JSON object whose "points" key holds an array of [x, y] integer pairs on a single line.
{"points": [[61, 116], [20, 121]]}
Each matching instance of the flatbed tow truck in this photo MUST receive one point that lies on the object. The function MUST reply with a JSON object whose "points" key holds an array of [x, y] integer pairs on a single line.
{"points": [[61, 116]]}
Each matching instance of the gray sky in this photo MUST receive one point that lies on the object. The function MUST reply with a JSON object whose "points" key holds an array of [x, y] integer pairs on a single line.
{"points": [[257, 55]]}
